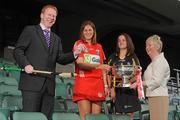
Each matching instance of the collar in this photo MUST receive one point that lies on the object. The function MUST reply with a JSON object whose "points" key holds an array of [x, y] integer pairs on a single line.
{"points": [[43, 27], [158, 56]]}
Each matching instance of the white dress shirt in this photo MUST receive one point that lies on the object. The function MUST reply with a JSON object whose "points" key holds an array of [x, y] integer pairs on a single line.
{"points": [[43, 27], [156, 77]]}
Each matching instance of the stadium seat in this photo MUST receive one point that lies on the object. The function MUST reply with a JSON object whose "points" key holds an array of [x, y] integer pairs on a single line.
{"points": [[60, 91], [177, 115], [65, 116], [120, 117], [4, 113], [13, 103], [10, 97], [61, 95], [7, 62], [15, 75], [59, 79], [96, 117], [9, 81], [69, 89], [1, 79], [69, 80], [9, 90], [143, 114], [172, 112], [29, 116], [1, 100]]}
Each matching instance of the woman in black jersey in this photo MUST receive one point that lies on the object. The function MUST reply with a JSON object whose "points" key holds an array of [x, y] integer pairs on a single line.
{"points": [[125, 98]]}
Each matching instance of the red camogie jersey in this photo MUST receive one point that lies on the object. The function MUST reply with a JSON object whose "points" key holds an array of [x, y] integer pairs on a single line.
{"points": [[89, 83]]}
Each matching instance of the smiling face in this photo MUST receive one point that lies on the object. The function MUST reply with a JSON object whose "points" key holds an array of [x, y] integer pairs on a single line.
{"points": [[88, 32], [152, 48], [48, 17], [122, 43]]}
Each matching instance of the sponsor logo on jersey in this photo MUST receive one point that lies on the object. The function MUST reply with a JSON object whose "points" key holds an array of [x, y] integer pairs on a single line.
{"points": [[93, 59]]}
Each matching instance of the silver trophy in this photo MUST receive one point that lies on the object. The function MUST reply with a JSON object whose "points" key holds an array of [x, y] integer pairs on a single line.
{"points": [[124, 75], [125, 72]]}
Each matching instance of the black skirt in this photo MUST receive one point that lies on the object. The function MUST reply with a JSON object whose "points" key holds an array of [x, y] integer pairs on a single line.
{"points": [[126, 100]]}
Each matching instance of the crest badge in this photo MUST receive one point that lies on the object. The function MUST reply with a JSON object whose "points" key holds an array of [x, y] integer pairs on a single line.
{"points": [[98, 52], [99, 94]]}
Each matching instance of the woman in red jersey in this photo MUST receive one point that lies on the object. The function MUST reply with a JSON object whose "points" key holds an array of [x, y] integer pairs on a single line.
{"points": [[90, 84]]}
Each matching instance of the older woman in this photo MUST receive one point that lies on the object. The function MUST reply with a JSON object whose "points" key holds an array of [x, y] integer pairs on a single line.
{"points": [[156, 77]]}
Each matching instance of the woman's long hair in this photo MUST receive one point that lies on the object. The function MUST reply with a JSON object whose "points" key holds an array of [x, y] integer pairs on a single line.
{"points": [[130, 45], [88, 22]]}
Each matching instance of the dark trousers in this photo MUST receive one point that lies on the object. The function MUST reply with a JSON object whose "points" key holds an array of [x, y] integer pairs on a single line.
{"points": [[41, 101]]}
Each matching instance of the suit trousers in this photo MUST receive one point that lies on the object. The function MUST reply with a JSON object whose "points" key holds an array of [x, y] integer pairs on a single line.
{"points": [[39, 101], [158, 107]]}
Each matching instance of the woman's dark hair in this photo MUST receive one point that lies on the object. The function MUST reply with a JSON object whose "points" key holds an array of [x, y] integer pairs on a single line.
{"points": [[130, 45]]}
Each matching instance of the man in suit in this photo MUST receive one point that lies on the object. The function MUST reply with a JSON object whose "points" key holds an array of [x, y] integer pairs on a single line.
{"points": [[39, 48]]}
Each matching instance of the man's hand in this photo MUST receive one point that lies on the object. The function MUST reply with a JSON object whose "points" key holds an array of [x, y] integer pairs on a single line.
{"points": [[29, 69], [79, 49]]}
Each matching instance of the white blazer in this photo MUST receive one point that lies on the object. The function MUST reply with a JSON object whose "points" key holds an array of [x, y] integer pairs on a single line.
{"points": [[156, 77]]}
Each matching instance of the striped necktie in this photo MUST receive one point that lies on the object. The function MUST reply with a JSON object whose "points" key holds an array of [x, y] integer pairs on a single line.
{"points": [[47, 37]]}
